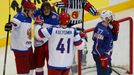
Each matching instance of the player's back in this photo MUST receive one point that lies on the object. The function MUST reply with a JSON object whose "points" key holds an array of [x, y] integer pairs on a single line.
{"points": [[61, 51]]}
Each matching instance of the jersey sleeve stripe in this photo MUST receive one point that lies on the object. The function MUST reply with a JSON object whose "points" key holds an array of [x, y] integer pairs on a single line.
{"points": [[96, 48], [90, 8], [50, 30], [46, 32], [60, 4], [87, 5], [75, 33], [40, 33], [77, 43]]}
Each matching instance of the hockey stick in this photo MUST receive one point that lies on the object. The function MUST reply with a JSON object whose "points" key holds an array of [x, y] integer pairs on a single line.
{"points": [[4, 68], [87, 67], [115, 71], [83, 15], [79, 52]]}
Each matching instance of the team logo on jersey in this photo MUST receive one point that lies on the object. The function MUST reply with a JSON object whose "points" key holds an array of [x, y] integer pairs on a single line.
{"points": [[29, 33], [99, 36], [54, 17], [75, 14]]}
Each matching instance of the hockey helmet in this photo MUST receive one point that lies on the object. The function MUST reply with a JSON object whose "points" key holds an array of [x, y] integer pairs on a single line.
{"points": [[106, 14], [64, 18], [28, 5]]}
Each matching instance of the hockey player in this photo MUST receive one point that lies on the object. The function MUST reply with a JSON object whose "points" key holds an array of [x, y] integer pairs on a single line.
{"points": [[104, 34], [74, 8], [45, 12], [21, 43], [61, 42], [47, 18]]}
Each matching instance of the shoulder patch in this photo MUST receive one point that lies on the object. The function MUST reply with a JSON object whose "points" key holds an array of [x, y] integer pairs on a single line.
{"points": [[54, 17]]}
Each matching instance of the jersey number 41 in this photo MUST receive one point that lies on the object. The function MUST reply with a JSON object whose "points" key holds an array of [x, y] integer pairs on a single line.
{"points": [[61, 46]]}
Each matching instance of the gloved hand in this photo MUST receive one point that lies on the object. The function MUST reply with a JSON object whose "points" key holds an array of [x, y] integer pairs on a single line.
{"points": [[104, 61], [115, 25], [39, 21], [84, 36], [8, 27]]}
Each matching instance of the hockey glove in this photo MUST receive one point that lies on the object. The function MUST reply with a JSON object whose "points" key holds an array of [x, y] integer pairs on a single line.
{"points": [[39, 21], [8, 27], [115, 28], [82, 34], [104, 61]]}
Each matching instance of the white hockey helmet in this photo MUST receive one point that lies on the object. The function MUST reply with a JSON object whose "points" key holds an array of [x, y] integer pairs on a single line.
{"points": [[106, 14]]}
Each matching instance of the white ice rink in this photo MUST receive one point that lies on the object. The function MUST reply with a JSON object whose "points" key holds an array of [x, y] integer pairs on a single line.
{"points": [[120, 53]]}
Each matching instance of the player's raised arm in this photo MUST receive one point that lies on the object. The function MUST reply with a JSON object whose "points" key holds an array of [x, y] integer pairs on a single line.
{"points": [[90, 8], [78, 42], [115, 29], [41, 32], [61, 4], [15, 22]]}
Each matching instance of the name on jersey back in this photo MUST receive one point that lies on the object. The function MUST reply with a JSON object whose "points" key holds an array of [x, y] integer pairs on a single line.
{"points": [[64, 32]]}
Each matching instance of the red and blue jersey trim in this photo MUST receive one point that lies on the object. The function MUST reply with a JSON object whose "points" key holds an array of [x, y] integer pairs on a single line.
{"points": [[77, 43], [40, 33], [59, 68]]}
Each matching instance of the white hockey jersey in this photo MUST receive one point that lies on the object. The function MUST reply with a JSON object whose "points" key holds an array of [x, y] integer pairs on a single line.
{"points": [[61, 43], [49, 21], [21, 32]]}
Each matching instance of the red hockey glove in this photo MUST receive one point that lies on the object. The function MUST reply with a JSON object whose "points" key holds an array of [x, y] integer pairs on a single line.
{"points": [[39, 21], [104, 61], [82, 34], [65, 3], [115, 25]]}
